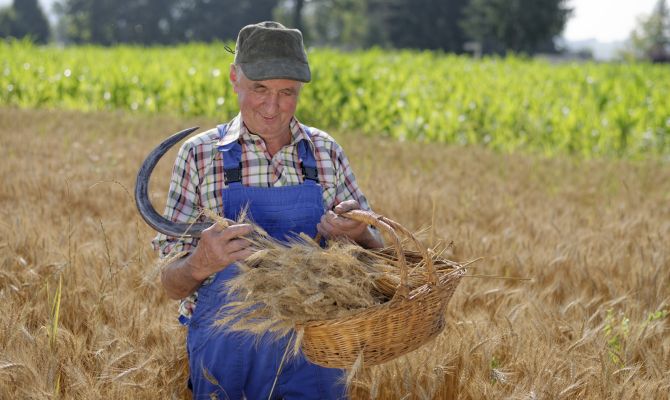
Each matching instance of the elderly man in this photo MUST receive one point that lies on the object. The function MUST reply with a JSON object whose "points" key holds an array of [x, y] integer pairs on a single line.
{"points": [[293, 179]]}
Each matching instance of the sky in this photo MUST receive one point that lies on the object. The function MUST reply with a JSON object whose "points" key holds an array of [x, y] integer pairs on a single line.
{"points": [[603, 20]]}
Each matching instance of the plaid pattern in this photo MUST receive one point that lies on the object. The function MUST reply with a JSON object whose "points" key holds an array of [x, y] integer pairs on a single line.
{"points": [[198, 179]]}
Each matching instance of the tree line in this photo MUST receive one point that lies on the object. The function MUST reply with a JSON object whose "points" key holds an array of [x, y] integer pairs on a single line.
{"points": [[457, 26], [24, 18], [496, 25]]}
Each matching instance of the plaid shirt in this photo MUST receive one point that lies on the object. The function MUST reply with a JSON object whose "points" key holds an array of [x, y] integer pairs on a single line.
{"points": [[198, 179]]}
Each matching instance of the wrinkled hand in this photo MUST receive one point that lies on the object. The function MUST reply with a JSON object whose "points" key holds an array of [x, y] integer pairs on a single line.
{"points": [[333, 225], [219, 247]]}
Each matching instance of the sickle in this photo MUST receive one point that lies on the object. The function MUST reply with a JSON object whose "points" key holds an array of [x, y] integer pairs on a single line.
{"points": [[144, 206]]}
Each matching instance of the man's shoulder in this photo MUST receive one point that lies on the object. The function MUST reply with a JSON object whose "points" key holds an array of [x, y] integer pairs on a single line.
{"points": [[203, 139], [321, 138]]}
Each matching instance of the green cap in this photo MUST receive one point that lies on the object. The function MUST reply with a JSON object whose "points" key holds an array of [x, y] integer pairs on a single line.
{"points": [[269, 50]]}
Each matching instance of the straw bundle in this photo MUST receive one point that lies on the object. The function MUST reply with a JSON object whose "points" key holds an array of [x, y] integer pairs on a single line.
{"points": [[284, 285]]}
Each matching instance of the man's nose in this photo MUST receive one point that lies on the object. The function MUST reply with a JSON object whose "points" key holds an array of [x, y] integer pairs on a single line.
{"points": [[272, 102]]}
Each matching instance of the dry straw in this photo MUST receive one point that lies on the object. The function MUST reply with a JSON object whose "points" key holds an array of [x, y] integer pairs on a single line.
{"points": [[347, 303]]}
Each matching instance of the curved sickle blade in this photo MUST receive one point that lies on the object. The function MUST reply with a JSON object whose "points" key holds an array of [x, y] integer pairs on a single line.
{"points": [[144, 206]]}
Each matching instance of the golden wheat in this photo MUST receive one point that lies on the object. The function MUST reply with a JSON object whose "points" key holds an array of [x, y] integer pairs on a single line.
{"points": [[592, 234]]}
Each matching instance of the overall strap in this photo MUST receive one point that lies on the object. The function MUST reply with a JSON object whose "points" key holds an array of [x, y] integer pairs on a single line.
{"points": [[232, 159], [310, 173]]}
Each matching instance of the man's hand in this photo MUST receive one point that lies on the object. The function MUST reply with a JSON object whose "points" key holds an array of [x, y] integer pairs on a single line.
{"points": [[333, 225], [218, 247]]}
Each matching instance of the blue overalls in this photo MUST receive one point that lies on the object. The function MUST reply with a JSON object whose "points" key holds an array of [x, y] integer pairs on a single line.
{"points": [[235, 365]]}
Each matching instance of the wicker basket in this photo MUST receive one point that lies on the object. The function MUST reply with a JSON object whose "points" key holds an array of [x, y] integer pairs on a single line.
{"points": [[413, 316]]}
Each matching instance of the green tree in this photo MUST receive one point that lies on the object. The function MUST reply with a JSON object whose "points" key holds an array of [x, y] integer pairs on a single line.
{"points": [[426, 24], [108, 22], [650, 40], [339, 23], [377, 32], [146, 22], [24, 18], [297, 14], [207, 20], [7, 18], [88, 21], [523, 26]]}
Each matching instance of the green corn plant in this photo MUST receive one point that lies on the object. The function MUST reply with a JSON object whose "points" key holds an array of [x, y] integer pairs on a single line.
{"points": [[511, 103]]}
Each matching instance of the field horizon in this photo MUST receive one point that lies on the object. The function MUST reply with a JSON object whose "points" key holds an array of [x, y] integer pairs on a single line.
{"points": [[86, 316]]}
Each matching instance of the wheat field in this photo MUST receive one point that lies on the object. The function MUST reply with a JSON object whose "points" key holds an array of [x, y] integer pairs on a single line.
{"points": [[84, 315]]}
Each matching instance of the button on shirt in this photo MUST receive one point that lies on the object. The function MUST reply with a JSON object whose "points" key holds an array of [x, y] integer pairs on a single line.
{"points": [[198, 179]]}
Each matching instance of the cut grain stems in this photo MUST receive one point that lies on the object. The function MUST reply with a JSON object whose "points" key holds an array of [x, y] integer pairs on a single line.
{"points": [[297, 284], [592, 234]]}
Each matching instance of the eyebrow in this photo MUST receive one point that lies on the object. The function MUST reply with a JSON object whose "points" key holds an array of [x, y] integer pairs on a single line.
{"points": [[291, 90]]}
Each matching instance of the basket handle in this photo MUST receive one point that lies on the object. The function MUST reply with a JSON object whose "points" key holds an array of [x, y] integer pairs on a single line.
{"points": [[425, 253], [392, 228]]}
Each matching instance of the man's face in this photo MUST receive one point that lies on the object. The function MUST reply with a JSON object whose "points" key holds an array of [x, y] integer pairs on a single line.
{"points": [[266, 106]]}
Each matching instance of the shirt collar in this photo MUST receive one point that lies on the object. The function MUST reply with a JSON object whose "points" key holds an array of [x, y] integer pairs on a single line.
{"points": [[237, 130]]}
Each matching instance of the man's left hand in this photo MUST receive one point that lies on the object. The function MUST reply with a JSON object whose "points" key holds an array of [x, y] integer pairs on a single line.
{"points": [[334, 225]]}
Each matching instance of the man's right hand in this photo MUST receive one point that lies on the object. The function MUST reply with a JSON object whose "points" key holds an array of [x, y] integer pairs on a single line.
{"points": [[217, 248]]}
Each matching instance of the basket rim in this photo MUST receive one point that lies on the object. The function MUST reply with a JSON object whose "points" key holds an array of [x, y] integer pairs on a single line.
{"points": [[421, 291]]}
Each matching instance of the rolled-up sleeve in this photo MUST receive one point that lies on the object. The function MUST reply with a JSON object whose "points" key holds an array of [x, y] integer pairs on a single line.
{"points": [[345, 182]]}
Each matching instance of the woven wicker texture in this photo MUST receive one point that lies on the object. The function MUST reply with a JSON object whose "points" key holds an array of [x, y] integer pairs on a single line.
{"points": [[413, 316]]}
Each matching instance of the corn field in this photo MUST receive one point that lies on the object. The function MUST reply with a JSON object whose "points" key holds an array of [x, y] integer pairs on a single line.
{"points": [[505, 104]]}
